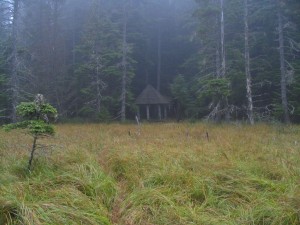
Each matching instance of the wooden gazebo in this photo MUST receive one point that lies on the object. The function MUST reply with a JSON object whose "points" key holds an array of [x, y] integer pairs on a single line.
{"points": [[151, 100]]}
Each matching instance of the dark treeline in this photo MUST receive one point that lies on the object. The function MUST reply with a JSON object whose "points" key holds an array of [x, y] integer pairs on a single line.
{"points": [[217, 59]]}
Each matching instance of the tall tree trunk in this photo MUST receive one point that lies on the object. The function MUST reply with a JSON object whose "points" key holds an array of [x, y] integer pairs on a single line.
{"points": [[15, 61], [55, 56], [98, 87], [284, 99], [147, 60], [73, 41], [218, 67], [218, 55], [158, 59], [247, 66], [223, 58], [97, 50], [124, 65], [220, 104]]}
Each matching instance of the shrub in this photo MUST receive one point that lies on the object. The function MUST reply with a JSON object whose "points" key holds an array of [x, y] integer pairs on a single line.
{"points": [[35, 118]]}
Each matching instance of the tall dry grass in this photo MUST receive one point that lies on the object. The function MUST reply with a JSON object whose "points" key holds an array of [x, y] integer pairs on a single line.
{"points": [[169, 174]]}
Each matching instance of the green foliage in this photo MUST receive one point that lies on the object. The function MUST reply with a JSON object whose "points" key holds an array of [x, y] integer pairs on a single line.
{"points": [[86, 111], [30, 110], [3, 96], [3, 93], [295, 96], [180, 92], [217, 89], [35, 118], [27, 110], [264, 64], [2, 79], [87, 55], [49, 110], [179, 89], [104, 115], [34, 127], [277, 111], [101, 49]]}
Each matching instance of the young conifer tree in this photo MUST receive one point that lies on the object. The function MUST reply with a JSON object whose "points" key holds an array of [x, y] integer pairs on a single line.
{"points": [[35, 119]]}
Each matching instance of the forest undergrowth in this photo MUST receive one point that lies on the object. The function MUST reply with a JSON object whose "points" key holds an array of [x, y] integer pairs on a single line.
{"points": [[167, 174]]}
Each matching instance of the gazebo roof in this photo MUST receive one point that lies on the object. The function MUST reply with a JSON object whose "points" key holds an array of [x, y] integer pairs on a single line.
{"points": [[150, 96]]}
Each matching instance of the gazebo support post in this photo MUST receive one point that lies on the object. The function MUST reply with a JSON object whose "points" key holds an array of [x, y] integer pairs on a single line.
{"points": [[138, 113], [148, 112], [159, 112], [154, 102]]}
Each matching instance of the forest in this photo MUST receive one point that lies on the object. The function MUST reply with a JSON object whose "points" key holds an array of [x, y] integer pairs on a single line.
{"points": [[216, 59], [84, 85]]}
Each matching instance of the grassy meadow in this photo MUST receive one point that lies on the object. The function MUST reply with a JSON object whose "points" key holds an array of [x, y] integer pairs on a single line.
{"points": [[166, 174]]}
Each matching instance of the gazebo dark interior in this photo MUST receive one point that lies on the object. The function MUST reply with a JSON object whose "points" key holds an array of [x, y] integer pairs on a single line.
{"points": [[151, 104]]}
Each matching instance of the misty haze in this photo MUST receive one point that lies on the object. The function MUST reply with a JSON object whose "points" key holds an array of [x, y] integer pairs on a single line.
{"points": [[148, 112]]}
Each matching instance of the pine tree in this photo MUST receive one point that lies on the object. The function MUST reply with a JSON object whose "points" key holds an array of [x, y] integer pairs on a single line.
{"points": [[99, 56], [247, 65]]}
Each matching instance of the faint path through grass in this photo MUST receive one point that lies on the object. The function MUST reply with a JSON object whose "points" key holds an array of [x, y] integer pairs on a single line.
{"points": [[169, 174]]}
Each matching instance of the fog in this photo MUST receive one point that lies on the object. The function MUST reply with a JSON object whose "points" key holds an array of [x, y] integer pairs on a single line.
{"points": [[92, 58]]}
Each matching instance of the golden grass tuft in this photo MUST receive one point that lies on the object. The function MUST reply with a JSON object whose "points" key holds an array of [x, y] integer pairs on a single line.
{"points": [[168, 174]]}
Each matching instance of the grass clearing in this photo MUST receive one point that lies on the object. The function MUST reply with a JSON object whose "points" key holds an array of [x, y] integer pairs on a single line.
{"points": [[169, 174]]}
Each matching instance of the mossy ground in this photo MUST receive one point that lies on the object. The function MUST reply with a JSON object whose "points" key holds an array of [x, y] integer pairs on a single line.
{"points": [[168, 174]]}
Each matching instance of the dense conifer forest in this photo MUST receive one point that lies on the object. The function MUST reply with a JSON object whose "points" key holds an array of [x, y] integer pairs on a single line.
{"points": [[102, 68], [222, 60]]}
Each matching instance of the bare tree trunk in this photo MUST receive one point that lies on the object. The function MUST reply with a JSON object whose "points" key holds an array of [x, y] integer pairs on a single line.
{"points": [[97, 50], [146, 58], [15, 62], [223, 58], [218, 72], [220, 67], [284, 99], [247, 66], [98, 84], [218, 56], [124, 65], [158, 59], [55, 56]]}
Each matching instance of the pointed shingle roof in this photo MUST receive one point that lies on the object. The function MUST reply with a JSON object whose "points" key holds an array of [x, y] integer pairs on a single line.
{"points": [[150, 96]]}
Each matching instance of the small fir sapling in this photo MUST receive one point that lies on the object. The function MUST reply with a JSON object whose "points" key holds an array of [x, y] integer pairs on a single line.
{"points": [[35, 119]]}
